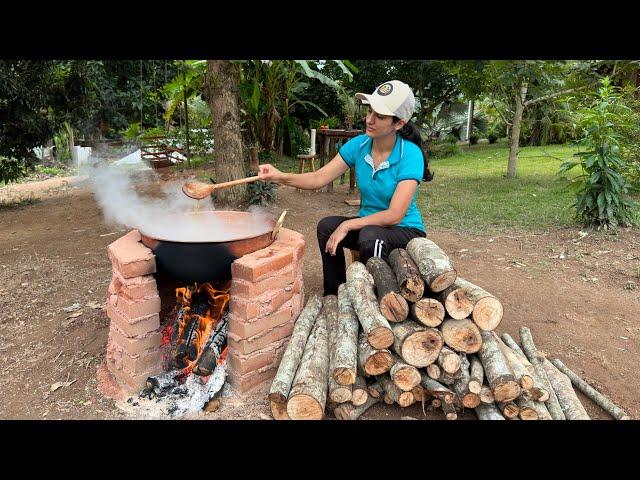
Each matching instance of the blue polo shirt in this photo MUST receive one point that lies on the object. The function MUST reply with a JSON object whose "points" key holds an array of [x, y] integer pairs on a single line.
{"points": [[378, 186]]}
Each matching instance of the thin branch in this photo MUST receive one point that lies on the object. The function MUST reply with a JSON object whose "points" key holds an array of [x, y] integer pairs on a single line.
{"points": [[499, 112], [554, 95]]}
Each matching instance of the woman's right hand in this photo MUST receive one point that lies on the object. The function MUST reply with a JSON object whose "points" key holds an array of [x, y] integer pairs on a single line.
{"points": [[269, 173]]}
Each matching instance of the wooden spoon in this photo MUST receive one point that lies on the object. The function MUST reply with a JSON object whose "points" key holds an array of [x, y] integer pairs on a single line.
{"points": [[200, 190]]}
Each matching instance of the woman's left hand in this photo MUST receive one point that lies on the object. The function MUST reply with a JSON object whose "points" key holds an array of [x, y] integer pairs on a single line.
{"points": [[336, 237]]}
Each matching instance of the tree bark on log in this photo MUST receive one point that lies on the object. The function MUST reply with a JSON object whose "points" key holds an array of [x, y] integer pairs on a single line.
{"points": [[353, 412], [543, 412], [363, 300], [571, 406], [359, 394], [521, 373], [461, 386], [308, 394], [405, 376], [436, 389], [486, 395], [337, 393], [393, 305], [527, 408], [372, 361], [531, 352], [539, 391], [279, 411], [404, 399], [463, 298], [407, 275], [476, 375], [499, 375], [281, 384], [449, 361], [346, 361], [428, 311], [461, 335], [449, 411], [434, 265], [488, 411], [416, 344], [509, 409], [375, 390], [615, 411]]}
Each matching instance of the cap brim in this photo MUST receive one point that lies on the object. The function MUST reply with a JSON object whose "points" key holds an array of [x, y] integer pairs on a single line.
{"points": [[376, 104]]}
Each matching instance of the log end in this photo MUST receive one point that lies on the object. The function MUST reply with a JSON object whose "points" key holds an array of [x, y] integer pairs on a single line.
{"points": [[277, 397], [359, 397], [394, 307], [487, 313], [379, 363], [428, 311], [380, 337], [528, 413], [407, 378], [458, 304], [412, 289], [475, 386], [340, 394], [443, 281], [279, 411], [506, 391], [344, 376], [471, 400], [304, 407], [406, 399], [422, 348]]}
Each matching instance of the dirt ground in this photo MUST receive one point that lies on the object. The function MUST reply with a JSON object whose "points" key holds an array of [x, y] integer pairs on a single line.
{"points": [[579, 295]]}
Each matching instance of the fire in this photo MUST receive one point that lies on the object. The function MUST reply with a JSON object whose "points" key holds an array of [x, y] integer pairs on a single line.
{"points": [[200, 309]]}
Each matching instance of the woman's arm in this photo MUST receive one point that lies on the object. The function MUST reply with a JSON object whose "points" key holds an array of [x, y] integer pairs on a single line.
{"points": [[391, 216], [307, 181]]}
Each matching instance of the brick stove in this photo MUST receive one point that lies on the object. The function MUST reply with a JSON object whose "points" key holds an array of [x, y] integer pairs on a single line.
{"points": [[267, 295]]}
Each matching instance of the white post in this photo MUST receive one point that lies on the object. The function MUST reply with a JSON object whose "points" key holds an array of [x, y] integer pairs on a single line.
{"points": [[312, 150]]}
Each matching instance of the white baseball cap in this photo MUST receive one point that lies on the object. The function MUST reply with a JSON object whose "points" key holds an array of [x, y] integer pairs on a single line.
{"points": [[391, 98]]}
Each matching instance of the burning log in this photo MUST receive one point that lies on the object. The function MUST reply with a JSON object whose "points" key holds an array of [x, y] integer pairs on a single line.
{"points": [[309, 390], [461, 335], [293, 354], [499, 375], [373, 361], [463, 298], [360, 288], [433, 264], [337, 393], [359, 394], [571, 406], [393, 306], [407, 275], [416, 344], [531, 352], [615, 411], [348, 411], [428, 311], [488, 411], [214, 346], [346, 348], [403, 375]]}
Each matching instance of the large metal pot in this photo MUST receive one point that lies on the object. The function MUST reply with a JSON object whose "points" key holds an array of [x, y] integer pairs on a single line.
{"points": [[208, 257]]}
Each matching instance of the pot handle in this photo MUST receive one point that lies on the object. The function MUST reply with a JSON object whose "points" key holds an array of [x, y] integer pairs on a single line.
{"points": [[276, 229]]}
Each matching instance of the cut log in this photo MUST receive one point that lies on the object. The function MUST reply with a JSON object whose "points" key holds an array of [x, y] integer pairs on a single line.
{"points": [[434, 265], [393, 306], [520, 372], [449, 411], [363, 300], [543, 412], [346, 348], [436, 389], [407, 275], [496, 368], [467, 398], [433, 371], [405, 376], [486, 395], [416, 344], [615, 411], [539, 391], [428, 311], [420, 393], [461, 335], [571, 406], [509, 409], [359, 394], [488, 411], [436, 403], [404, 399], [352, 412], [476, 375], [373, 361], [531, 352], [449, 361], [337, 393], [375, 390], [308, 394], [527, 410], [463, 299], [279, 411], [281, 384]]}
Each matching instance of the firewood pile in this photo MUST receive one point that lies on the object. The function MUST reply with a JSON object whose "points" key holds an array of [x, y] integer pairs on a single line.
{"points": [[410, 330]]}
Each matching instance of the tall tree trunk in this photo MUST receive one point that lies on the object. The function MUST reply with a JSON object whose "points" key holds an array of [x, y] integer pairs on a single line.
{"points": [[221, 81], [514, 139]]}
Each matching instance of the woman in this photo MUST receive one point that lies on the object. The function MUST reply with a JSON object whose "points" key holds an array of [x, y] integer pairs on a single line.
{"points": [[389, 165]]}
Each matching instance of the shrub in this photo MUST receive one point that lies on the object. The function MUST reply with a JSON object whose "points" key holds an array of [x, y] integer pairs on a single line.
{"points": [[473, 139], [492, 137], [262, 193], [445, 150]]}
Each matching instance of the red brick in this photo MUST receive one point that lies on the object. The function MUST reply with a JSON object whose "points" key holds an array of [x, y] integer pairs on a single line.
{"points": [[260, 264], [136, 345], [136, 308], [274, 300], [244, 383], [290, 239], [270, 355], [132, 384], [130, 257], [277, 281], [243, 308], [298, 283], [134, 288], [297, 304], [133, 327], [242, 329], [261, 340], [117, 359]]}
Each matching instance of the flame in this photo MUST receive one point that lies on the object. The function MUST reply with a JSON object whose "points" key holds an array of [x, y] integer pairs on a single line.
{"points": [[194, 328]]}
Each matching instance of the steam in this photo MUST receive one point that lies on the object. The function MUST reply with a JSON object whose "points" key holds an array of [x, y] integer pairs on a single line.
{"points": [[161, 210]]}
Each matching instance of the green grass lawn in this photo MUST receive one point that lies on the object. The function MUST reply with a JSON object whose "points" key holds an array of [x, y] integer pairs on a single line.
{"points": [[470, 192]]}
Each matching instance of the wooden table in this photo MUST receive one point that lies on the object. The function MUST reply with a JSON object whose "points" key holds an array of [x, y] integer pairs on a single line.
{"points": [[327, 138]]}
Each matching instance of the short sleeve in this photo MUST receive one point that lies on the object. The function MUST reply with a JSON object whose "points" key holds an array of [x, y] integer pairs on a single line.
{"points": [[411, 166], [349, 151]]}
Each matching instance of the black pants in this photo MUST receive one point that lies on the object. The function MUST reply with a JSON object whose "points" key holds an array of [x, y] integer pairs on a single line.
{"points": [[369, 241]]}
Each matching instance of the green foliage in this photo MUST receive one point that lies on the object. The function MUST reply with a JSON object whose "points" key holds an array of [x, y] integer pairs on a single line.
{"points": [[262, 193], [446, 149], [602, 192], [492, 137], [473, 139]]}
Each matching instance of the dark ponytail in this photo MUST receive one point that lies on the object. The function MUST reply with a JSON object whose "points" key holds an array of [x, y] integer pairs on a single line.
{"points": [[410, 132]]}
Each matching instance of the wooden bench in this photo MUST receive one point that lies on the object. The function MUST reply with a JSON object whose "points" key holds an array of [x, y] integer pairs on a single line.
{"points": [[157, 153]]}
